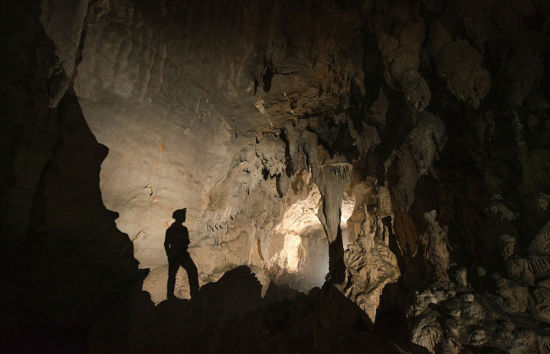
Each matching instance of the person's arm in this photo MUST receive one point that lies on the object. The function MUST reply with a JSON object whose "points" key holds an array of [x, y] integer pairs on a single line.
{"points": [[168, 246], [185, 237]]}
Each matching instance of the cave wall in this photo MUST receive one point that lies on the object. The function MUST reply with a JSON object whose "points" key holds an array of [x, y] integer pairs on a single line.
{"points": [[426, 123], [158, 80], [64, 263]]}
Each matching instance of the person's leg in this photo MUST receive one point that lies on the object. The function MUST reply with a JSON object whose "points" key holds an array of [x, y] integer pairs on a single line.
{"points": [[172, 271], [192, 274]]}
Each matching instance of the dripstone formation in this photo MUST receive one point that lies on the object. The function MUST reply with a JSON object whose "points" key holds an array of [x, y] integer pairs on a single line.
{"points": [[359, 176]]}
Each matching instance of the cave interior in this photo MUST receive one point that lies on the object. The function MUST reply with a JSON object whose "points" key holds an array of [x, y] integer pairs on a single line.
{"points": [[310, 176]]}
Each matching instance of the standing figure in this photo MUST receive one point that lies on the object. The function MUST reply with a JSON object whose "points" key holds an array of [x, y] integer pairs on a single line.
{"points": [[175, 244]]}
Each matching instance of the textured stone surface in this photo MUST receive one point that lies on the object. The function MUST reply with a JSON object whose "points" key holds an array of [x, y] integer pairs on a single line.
{"points": [[62, 257], [153, 94], [435, 245], [474, 320], [63, 22], [370, 264], [400, 38], [415, 157], [460, 65], [394, 153]]}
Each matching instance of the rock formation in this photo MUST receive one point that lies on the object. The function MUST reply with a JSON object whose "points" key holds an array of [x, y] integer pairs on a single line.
{"points": [[357, 174], [370, 264]]}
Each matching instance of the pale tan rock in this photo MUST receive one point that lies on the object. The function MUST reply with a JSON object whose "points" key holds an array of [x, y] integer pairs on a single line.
{"points": [[155, 284], [370, 264]]}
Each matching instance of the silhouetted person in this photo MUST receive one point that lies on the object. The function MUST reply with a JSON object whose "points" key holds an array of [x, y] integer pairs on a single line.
{"points": [[175, 244]]}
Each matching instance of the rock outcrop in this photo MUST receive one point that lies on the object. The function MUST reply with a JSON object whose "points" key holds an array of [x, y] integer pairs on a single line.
{"points": [[389, 159], [370, 264]]}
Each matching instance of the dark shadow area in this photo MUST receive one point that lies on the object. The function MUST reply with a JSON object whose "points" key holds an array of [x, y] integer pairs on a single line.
{"points": [[65, 265], [229, 316], [70, 282], [176, 244], [336, 265]]}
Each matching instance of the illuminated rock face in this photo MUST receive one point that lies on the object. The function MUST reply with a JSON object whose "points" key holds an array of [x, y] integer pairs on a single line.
{"points": [[297, 252], [298, 246], [167, 144], [300, 136], [182, 109], [370, 264], [211, 118]]}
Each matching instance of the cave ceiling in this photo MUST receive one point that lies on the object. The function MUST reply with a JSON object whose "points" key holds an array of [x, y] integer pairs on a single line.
{"points": [[373, 163], [193, 108]]}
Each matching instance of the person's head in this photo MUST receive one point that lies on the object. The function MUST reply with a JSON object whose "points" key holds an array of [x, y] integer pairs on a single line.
{"points": [[179, 215]]}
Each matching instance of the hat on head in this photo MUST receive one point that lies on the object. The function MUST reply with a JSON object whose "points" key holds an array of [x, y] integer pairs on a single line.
{"points": [[179, 214]]}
